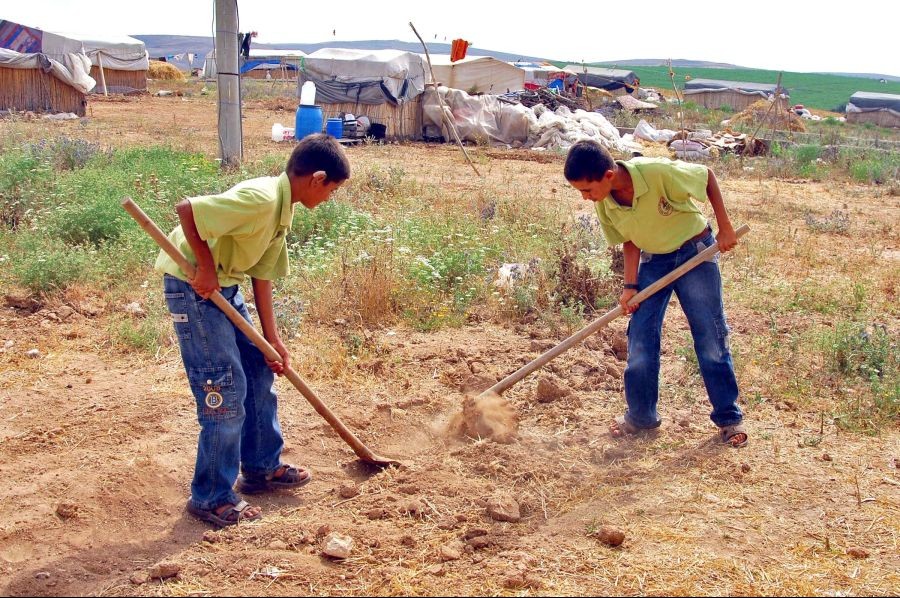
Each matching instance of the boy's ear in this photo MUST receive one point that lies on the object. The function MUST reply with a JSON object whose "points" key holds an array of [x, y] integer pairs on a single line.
{"points": [[319, 176]]}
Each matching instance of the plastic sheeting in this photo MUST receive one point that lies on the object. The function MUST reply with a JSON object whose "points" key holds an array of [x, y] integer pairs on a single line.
{"points": [[121, 53], [364, 76], [489, 118], [477, 118], [71, 68]]}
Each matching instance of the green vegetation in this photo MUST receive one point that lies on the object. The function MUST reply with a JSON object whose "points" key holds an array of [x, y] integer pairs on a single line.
{"points": [[823, 92]]}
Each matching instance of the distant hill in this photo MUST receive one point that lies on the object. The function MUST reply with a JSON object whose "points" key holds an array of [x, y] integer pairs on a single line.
{"points": [[867, 76], [677, 62], [167, 45]]}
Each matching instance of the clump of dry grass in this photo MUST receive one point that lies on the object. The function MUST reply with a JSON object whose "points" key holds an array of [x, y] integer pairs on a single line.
{"points": [[763, 113], [164, 70]]}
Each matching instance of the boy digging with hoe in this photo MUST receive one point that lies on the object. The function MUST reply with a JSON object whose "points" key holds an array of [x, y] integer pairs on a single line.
{"points": [[647, 205], [240, 232]]}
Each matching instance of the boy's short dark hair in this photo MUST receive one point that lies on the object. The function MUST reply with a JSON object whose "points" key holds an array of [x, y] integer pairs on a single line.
{"points": [[587, 161], [319, 152]]}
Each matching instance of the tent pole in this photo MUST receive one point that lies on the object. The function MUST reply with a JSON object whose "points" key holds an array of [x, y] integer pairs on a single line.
{"points": [[447, 119], [102, 75]]}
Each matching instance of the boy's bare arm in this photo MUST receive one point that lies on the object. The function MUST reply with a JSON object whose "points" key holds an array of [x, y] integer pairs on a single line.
{"points": [[726, 236], [205, 281], [262, 295], [632, 261]]}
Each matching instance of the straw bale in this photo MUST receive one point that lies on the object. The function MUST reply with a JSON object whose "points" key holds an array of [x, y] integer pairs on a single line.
{"points": [[165, 71], [763, 113]]}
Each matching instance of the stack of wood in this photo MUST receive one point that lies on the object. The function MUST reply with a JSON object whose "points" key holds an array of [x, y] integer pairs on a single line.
{"points": [[548, 99]]}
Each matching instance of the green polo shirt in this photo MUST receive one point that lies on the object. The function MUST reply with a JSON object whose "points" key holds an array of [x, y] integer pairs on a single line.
{"points": [[245, 228], [663, 214]]}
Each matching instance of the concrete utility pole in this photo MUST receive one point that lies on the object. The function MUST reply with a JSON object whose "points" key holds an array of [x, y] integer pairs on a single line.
{"points": [[229, 80]]}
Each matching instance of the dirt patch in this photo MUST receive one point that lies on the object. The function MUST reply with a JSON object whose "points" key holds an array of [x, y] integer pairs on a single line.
{"points": [[486, 416]]}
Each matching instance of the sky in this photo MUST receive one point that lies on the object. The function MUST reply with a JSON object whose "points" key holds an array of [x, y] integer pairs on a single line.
{"points": [[858, 36]]}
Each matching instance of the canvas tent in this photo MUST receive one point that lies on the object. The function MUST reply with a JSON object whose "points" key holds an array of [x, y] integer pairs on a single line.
{"points": [[477, 74], [738, 95], [123, 59], [262, 60], [33, 80], [384, 85], [882, 109], [615, 81]]}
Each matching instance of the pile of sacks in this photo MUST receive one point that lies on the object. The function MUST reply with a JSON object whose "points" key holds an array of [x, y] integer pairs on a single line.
{"points": [[562, 128], [497, 121]]}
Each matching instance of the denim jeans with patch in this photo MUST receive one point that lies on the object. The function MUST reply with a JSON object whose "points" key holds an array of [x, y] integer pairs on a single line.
{"points": [[234, 390], [700, 294]]}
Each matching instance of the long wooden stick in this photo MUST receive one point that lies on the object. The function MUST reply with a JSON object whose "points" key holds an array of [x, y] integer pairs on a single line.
{"points": [[361, 450], [450, 124], [608, 317]]}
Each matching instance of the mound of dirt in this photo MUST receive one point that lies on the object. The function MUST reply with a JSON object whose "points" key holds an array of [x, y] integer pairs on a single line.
{"points": [[486, 416]]}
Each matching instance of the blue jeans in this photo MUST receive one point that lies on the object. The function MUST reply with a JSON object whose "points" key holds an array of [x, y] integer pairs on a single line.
{"points": [[234, 390], [700, 294]]}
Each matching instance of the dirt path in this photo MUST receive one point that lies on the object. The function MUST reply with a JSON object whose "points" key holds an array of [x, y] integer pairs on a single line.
{"points": [[97, 452]]}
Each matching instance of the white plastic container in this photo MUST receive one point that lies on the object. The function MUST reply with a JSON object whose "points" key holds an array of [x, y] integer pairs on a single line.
{"points": [[281, 133], [308, 94]]}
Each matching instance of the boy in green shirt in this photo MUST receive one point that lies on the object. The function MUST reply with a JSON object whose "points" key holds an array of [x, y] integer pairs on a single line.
{"points": [[228, 236], [647, 204]]}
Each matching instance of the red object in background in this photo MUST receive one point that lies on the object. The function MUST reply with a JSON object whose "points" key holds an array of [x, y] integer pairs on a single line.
{"points": [[458, 49]]}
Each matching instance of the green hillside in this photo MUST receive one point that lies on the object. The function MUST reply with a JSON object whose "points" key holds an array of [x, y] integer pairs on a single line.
{"points": [[824, 92]]}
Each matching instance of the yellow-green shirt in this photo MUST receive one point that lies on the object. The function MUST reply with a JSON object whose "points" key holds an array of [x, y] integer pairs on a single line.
{"points": [[245, 228], [662, 215]]}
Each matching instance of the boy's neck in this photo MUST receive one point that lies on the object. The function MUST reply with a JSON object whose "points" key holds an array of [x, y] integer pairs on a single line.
{"points": [[622, 188]]}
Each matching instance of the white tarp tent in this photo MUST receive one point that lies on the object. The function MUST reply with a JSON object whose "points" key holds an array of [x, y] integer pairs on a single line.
{"points": [[120, 53], [364, 76], [478, 74]]}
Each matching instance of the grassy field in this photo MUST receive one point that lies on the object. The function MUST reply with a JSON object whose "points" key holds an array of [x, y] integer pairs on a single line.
{"points": [[823, 92]]}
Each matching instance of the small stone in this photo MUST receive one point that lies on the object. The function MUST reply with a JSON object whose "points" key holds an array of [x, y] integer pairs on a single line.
{"points": [[164, 570], [323, 531], [474, 533], [9, 344], [348, 490], [42, 575], [436, 570], [338, 546], [745, 467], [65, 312], [610, 536], [620, 347], [480, 542], [211, 536], [549, 391], [377, 513], [278, 545], [826, 457], [33, 353], [450, 553], [135, 309], [414, 508], [538, 346], [858, 553], [408, 541], [504, 508], [139, 578], [67, 510]]}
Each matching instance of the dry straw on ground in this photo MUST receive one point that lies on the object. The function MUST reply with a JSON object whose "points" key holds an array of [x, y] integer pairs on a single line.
{"points": [[165, 71]]}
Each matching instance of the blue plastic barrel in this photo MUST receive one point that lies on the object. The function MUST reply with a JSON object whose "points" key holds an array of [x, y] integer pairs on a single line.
{"points": [[335, 127], [309, 121]]}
